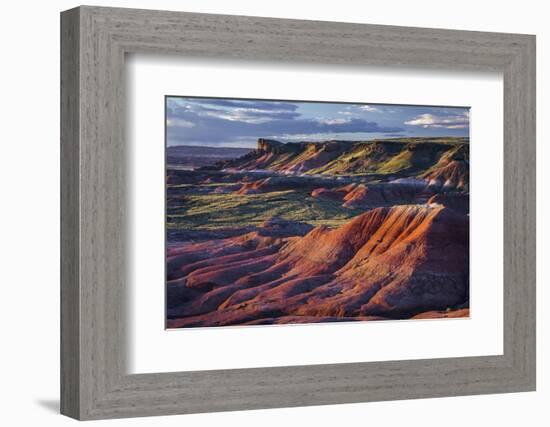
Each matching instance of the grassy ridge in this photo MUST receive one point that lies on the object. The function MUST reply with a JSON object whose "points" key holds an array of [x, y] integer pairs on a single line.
{"points": [[406, 156], [387, 157], [214, 211]]}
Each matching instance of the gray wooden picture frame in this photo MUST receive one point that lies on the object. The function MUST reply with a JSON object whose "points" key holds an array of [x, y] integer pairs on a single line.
{"points": [[94, 381]]}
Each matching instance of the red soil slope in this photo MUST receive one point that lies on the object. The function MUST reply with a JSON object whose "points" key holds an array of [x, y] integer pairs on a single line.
{"points": [[393, 262], [459, 202], [375, 195], [451, 173], [337, 194]]}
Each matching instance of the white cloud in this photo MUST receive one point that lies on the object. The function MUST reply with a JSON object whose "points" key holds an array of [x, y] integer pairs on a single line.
{"points": [[427, 120], [334, 121], [370, 108], [179, 123], [234, 116]]}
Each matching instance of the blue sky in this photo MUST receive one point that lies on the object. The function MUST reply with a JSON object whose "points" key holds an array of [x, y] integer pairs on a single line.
{"points": [[239, 123]]}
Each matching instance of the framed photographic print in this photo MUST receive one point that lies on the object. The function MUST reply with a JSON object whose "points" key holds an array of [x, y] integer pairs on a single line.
{"points": [[263, 213]]}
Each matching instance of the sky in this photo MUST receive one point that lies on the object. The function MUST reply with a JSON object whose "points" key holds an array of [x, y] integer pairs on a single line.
{"points": [[223, 122]]}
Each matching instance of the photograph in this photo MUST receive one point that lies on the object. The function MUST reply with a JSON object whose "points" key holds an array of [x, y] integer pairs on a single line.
{"points": [[293, 212]]}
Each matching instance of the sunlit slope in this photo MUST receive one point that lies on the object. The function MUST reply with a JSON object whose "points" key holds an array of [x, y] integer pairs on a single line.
{"points": [[407, 157]]}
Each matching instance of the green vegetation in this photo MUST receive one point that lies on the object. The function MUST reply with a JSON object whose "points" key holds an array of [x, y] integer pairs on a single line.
{"points": [[449, 140], [398, 163], [207, 204], [213, 211], [210, 186], [408, 156]]}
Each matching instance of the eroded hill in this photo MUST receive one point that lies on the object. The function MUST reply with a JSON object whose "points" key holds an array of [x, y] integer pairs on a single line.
{"points": [[396, 262], [435, 159]]}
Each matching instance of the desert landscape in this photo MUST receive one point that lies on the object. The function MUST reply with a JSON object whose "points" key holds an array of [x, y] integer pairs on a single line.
{"points": [[319, 232]]}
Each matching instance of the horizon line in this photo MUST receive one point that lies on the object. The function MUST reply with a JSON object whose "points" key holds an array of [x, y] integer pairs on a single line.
{"points": [[325, 140]]}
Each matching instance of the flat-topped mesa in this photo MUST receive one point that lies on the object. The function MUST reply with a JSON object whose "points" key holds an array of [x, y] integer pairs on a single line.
{"points": [[417, 158], [275, 147]]}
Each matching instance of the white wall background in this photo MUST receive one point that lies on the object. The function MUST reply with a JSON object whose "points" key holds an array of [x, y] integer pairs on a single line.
{"points": [[29, 224]]}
